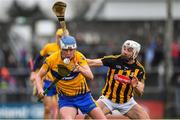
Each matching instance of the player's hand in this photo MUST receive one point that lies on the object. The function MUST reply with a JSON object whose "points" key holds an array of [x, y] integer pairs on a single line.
{"points": [[77, 68], [35, 93], [66, 32], [32, 77], [134, 82], [61, 33], [40, 94]]}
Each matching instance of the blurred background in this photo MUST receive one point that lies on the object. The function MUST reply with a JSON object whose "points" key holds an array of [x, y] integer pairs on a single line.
{"points": [[100, 26]]}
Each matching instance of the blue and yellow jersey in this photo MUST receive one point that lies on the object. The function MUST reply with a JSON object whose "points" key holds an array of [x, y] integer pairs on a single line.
{"points": [[75, 83], [47, 50]]}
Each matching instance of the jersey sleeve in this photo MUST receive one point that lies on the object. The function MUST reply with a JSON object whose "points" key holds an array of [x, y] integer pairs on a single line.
{"points": [[108, 60], [40, 57], [141, 76], [38, 62], [47, 63], [82, 60], [43, 51]]}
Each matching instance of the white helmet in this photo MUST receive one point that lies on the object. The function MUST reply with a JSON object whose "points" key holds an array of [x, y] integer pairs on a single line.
{"points": [[134, 45]]}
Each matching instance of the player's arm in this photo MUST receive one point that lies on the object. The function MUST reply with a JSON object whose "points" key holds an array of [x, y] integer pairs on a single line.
{"points": [[94, 62], [83, 67], [85, 71], [59, 34], [31, 64], [138, 86], [105, 61], [138, 83], [42, 72]]}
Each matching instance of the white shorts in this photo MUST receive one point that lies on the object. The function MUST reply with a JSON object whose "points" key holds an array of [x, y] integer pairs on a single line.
{"points": [[122, 108]]}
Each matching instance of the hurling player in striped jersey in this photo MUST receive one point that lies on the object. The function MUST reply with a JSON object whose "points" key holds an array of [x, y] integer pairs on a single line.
{"points": [[125, 77]]}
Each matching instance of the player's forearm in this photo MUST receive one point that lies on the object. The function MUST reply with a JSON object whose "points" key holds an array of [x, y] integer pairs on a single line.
{"points": [[139, 89], [94, 62], [86, 72], [38, 84], [32, 77]]}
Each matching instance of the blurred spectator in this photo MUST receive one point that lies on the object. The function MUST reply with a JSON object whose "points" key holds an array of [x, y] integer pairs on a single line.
{"points": [[24, 59], [154, 53], [2, 60], [158, 53], [9, 58], [7, 82], [175, 52], [150, 54]]}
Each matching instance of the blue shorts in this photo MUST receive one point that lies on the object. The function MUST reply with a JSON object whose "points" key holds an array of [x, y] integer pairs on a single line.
{"points": [[84, 102], [52, 91]]}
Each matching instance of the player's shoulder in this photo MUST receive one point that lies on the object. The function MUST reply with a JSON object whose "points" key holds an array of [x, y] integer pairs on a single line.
{"points": [[78, 53], [51, 44], [140, 65], [112, 56], [54, 55]]}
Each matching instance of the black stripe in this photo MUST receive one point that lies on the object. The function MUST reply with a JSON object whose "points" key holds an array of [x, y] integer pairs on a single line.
{"points": [[124, 73], [126, 92], [131, 92], [55, 74], [126, 89], [130, 95], [78, 92], [82, 88], [85, 88], [107, 82], [118, 93], [38, 62], [62, 92], [71, 76], [61, 18], [60, 4], [112, 85]]}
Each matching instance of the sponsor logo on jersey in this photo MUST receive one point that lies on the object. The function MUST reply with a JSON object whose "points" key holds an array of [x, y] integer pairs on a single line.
{"points": [[122, 78]]}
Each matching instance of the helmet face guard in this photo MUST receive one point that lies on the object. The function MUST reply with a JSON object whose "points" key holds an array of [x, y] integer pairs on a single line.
{"points": [[68, 42], [134, 45]]}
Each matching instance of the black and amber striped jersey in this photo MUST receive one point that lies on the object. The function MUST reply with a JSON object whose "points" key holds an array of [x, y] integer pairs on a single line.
{"points": [[118, 87]]}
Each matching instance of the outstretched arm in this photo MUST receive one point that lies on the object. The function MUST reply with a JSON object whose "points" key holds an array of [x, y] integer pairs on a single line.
{"points": [[38, 81], [94, 62]]}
